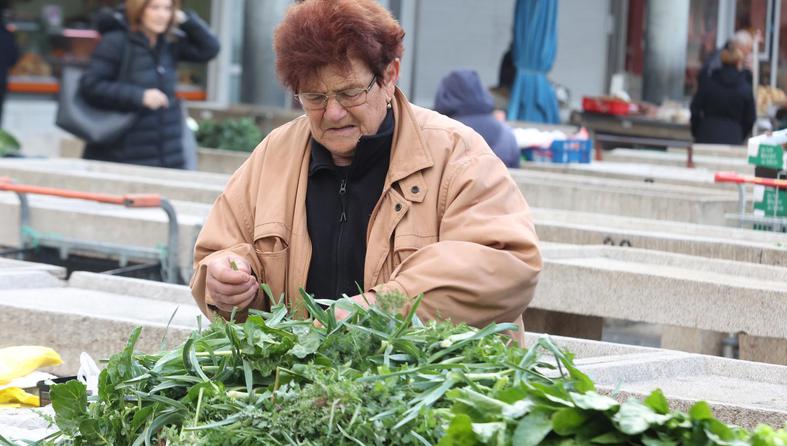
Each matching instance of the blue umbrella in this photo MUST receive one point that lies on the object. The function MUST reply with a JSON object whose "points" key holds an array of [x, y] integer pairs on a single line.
{"points": [[535, 45]]}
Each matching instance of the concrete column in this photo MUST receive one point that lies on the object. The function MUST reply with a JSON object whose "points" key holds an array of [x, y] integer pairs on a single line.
{"points": [[259, 84], [666, 36]]}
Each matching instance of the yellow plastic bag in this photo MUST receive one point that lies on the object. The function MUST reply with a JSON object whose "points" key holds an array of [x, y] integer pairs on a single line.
{"points": [[16, 397], [19, 361]]}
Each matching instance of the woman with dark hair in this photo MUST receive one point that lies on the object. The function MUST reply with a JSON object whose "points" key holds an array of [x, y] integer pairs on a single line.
{"points": [[153, 35], [722, 111], [366, 193]]}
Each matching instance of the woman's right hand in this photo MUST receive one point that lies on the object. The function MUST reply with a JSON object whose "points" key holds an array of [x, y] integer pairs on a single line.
{"points": [[230, 287], [155, 99]]}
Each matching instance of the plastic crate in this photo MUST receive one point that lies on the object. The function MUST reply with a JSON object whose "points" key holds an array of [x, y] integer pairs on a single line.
{"points": [[609, 106], [560, 152], [570, 151]]}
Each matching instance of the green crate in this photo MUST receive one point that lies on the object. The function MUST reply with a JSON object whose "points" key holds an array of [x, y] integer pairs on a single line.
{"points": [[766, 203], [769, 155]]}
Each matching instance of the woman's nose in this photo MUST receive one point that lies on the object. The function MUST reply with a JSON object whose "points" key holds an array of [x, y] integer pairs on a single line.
{"points": [[333, 109]]}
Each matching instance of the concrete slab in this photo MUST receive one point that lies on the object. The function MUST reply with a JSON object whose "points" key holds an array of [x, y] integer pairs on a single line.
{"points": [[73, 320], [647, 173], [739, 392], [127, 286], [718, 150], [14, 266], [664, 288], [564, 226], [19, 279], [115, 178], [220, 161], [625, 197], [104, 223], [710, 162]]}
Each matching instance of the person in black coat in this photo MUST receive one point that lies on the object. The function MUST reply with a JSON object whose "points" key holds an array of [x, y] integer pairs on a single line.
{"points": [[9, 54], [148, 86], [722, 111]]}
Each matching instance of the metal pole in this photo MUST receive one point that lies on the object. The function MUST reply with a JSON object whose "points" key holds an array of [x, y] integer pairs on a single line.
{"points": [[170, 270]]}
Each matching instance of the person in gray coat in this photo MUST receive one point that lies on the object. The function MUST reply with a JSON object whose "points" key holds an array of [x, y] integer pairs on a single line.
{"points": [[462, 97]]}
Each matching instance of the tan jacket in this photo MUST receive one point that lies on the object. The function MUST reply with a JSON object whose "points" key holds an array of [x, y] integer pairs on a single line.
{"points": [[451, 223]]}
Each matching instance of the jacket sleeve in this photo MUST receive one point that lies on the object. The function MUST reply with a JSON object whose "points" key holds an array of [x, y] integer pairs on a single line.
{"points": [[199, 44], [228, 229], [99, 84], [486, 262]]}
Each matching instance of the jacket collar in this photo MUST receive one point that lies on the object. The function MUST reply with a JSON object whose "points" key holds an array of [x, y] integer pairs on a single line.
{"points": [[409, 155]]}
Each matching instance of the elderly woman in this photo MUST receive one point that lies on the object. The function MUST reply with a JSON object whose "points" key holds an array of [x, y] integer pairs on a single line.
{"points": [[366, 193]]}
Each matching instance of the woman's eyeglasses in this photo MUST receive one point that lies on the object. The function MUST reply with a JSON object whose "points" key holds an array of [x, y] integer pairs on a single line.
{"points": [[351, 97]]}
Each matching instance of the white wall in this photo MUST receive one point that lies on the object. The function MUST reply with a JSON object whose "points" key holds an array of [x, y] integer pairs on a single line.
{"points": [[451, 34], [581, 60], [448, 34]]}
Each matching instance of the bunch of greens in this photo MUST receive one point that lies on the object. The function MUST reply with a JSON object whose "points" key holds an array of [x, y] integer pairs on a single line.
{"points": [[8, 144], [240, 134], [375, 378]]}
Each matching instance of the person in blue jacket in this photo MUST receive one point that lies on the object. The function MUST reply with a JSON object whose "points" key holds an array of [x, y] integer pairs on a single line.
{"points": [[9, 54], [462, 97]]}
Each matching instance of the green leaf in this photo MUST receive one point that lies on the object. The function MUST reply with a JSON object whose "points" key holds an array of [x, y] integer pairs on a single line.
{"points": [[566, 421], [634, 418], [69, 400], [532, 429], [658, 402], [700, 411], [460, 433], [613, 437], [594, 401]]}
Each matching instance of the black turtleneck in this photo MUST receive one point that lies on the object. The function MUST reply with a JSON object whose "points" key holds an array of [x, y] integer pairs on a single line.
{"points": [[339, 202]]}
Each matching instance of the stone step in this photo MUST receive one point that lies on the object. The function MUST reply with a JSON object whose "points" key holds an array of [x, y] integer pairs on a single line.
{"points": [[745, 245], [664, 288], [11, 266], [710, 162], [647, 173], [72, 320], [703, 205], [115, 178]]}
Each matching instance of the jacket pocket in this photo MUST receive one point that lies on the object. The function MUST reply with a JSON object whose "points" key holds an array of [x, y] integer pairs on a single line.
{"points": [[406, 245], [273, 253]]}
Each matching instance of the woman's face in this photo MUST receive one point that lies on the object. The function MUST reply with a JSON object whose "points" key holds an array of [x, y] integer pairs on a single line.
{"points": [[157, 16], [339, 128]]}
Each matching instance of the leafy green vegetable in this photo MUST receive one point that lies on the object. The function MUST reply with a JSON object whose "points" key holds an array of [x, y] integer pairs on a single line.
{"points": [[240, 134], [377, 377]]}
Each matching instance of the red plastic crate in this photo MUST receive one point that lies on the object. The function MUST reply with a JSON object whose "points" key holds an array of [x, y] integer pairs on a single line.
{"points": [[609, 106]]}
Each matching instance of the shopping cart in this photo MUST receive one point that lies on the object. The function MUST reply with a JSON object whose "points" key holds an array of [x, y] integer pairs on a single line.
{"points": [[166, 259], [766, 210]]}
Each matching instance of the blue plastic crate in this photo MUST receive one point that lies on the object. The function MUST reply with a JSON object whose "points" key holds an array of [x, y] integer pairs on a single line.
{"points": [[561, 152], [570, 151]]}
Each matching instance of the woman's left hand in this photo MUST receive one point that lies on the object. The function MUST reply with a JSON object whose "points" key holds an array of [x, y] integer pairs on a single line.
{"points": [[364, 300]]}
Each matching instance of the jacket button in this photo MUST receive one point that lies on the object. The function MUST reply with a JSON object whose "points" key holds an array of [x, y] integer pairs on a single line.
{"points": [[398, 207], [415, 189]]}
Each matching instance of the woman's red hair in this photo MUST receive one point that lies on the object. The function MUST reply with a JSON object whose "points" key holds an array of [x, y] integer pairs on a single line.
{"points": [[319, 33]]}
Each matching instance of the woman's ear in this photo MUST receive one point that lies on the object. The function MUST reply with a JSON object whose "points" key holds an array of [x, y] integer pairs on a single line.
{"points": [[392, 73]]}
